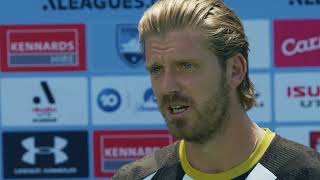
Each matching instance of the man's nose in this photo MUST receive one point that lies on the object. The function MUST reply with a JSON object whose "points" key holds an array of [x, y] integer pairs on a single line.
{"points": [[170, 83]]}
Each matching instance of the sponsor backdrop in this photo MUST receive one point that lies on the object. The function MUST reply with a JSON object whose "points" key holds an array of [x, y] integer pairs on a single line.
{"points": [[76, 101]]}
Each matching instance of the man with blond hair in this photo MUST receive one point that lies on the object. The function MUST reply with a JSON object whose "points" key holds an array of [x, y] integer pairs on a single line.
{"points": [[197, 56]]}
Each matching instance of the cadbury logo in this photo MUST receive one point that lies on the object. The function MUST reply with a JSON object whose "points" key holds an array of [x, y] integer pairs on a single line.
{"points": [[23, 46], [291, 46]]}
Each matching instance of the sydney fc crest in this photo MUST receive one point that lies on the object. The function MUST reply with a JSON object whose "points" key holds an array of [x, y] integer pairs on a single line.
{"points": [[128, 45]]}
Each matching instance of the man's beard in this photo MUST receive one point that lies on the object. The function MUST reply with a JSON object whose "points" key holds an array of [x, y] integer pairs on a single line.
{"points": [[210, 118]]}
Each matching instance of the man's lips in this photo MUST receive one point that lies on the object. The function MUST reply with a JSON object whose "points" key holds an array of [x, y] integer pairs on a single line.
{"points": [[177, 109], [175, 105]]}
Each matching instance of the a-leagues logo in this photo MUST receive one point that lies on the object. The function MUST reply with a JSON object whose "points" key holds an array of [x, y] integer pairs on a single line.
{"points": [[128, 45], [82, 5], [109, 100], [57, 150], [149, 101], [44, 111]]}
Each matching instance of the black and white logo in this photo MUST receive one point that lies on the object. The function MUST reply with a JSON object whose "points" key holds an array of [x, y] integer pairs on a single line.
{"points": [[57, 150], [61, 154], [47, 92], [44, 110]]}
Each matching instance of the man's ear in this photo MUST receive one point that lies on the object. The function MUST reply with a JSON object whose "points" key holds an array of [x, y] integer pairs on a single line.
{"points": [[236, 70]]}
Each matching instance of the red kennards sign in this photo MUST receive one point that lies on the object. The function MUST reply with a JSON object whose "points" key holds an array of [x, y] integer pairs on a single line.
{"points": [[59, 47], [113, 149], [297, 43]]}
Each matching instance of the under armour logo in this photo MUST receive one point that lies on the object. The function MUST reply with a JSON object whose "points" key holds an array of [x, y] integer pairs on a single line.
{"points": [[30, 156]]}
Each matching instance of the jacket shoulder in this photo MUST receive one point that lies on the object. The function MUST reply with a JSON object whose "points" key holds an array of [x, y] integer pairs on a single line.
{"points": [[291, 160]]}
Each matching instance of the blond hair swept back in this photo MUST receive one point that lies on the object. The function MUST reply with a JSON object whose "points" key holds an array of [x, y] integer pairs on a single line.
{"points": [[222, 29]]}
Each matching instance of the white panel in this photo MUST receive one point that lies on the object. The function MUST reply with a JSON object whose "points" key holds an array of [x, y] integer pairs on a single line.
{"points": [[26, 101], [258, 33], [129, 106], [261, 112], [297, 97]]}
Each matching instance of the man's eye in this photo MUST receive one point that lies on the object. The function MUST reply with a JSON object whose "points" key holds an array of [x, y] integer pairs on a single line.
{"points": [[187, 65], [155, 70]]}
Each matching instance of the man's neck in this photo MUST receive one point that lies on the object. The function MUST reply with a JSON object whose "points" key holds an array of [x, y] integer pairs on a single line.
{"points": [[227, 149]]}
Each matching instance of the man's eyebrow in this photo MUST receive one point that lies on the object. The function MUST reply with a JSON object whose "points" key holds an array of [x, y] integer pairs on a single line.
{"points": [[186, 60], [150, 64]]}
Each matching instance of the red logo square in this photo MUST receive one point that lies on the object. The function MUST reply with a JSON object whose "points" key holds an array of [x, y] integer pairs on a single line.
{"points": [[113, 149], [297, 43], [43, 47]]}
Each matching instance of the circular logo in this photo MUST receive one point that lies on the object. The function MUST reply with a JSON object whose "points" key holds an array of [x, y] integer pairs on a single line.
{"points": [[109, 100]]}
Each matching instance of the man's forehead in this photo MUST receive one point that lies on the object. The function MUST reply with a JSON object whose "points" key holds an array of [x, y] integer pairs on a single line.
{"points": [[174, 41], [182, 34]]}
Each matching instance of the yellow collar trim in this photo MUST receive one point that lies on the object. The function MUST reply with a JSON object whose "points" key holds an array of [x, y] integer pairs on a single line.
{"points": [[233, 172]]}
